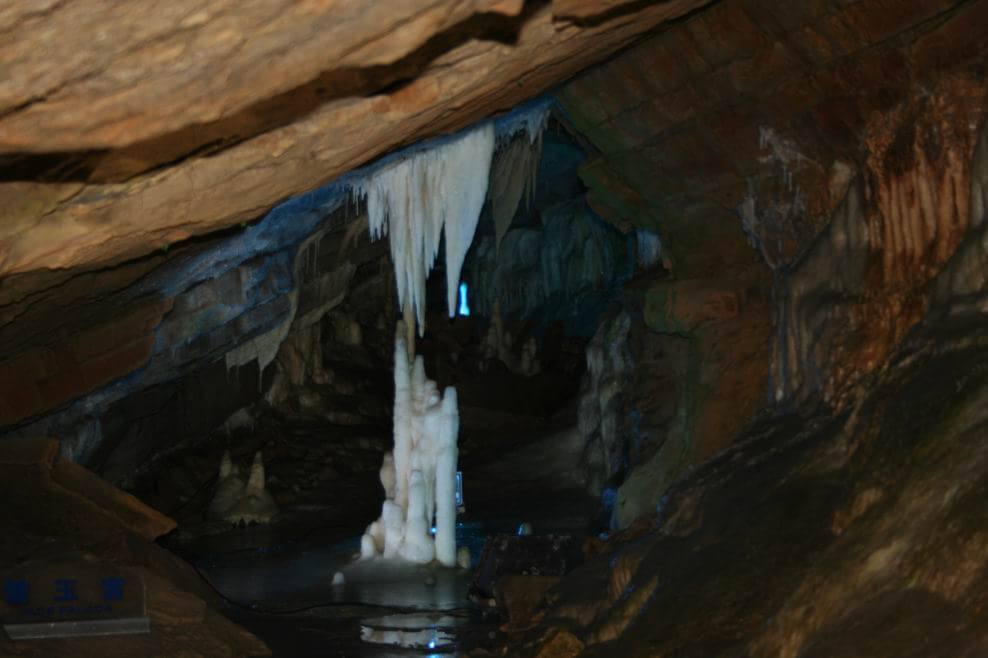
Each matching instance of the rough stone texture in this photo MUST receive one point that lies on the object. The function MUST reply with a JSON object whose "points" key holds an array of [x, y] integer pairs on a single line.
{"points": [[518, 596], [959, 289], [134, 514], [319, 106], [602, 411], [561, 644], [188, 348], [819, 153], [706, 380], [63, 367], [863, 284], [564, 269], [152, 70]]}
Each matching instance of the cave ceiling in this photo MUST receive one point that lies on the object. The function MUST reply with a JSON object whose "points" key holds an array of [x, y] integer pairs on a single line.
{"points": [[125, 132]]}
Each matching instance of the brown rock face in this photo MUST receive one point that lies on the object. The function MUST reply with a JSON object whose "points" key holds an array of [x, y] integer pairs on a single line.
{"points": [[154, 70], [863, 284], [711, 376], [64, 367], [280, 99], [782, 121]]}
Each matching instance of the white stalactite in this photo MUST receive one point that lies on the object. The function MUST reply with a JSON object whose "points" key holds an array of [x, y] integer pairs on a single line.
{"points": [[416, 199]]}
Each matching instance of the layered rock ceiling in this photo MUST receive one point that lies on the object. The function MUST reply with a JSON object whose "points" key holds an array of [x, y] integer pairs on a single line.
{"points": [[126, 131], [810, 167]]}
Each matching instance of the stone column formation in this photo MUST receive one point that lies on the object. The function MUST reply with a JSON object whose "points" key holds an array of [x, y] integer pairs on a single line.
{"points": [[419, 475]]}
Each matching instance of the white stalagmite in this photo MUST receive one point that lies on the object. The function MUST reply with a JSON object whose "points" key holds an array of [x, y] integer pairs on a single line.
{"points": [[414, 200], [424, 470], [255, 505], [418, 379], [376, 532], [446, 456], [229, 489], [388, 477], [367, 547], [393, 520], [425, 450], [417, 545], [402, 417]]}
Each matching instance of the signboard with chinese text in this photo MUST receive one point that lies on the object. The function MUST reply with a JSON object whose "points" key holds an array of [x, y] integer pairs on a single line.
{"points": [[71, 598]]}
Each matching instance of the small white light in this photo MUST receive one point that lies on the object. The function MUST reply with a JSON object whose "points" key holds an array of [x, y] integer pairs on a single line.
{"points": [[464, 306]]}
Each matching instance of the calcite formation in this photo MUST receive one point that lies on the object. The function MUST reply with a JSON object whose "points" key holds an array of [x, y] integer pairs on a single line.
{"points": [[238, 501], [419, 474], [430, 195]]}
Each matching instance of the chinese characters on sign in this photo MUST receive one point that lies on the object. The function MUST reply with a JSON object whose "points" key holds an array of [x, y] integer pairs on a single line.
{"points": [[64, 599], [60, 599]]}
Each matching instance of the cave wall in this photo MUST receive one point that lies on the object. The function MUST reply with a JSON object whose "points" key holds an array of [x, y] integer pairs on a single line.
{"points": [[123, 375], [125, 137], [807, 167], [553, 260]]}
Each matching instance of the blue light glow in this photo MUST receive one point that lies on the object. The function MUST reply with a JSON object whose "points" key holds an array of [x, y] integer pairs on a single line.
{"points": [[464, 307]]}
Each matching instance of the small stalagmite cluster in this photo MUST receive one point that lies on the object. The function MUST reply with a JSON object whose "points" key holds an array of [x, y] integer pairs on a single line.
{"points": [[419, 475], [239, 501]]}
